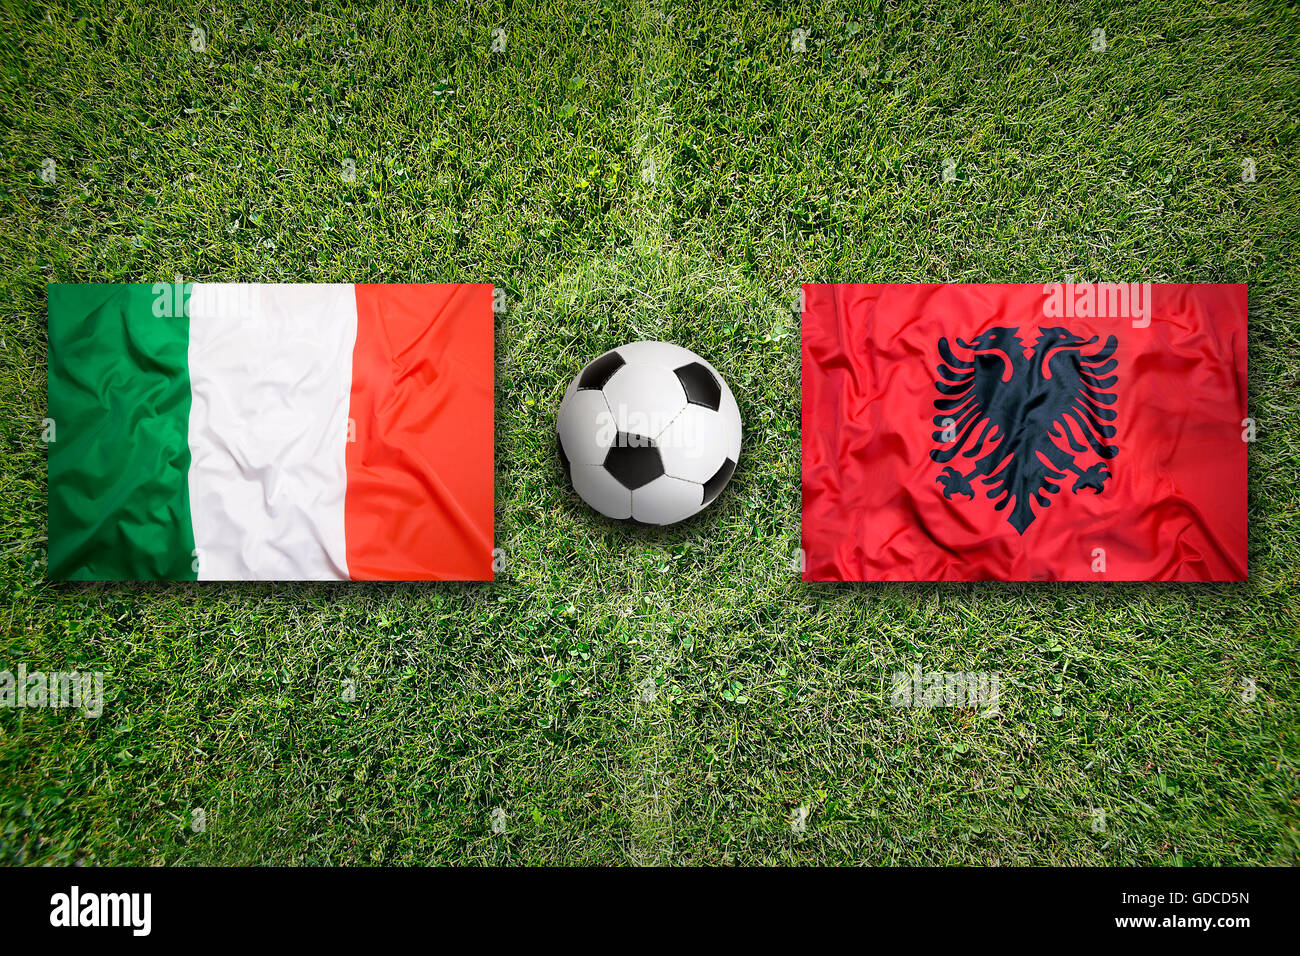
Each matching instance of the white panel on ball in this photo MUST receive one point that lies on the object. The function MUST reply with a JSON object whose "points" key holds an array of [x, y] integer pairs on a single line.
{"points": [[644, 399], [666, 500], [602, 491], [694, 446], [586, 427]]}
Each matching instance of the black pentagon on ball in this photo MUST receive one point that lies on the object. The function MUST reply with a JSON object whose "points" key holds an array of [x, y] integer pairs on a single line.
{"points": [[634, 461], [701, 385], [595, 375], [713, 487]]}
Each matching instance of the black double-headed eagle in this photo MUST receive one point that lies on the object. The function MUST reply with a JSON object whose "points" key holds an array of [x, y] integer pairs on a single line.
{"points": [[1023, 415]]}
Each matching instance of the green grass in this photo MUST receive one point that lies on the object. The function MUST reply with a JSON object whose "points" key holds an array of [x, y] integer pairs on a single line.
{"points": [[676, 696]]}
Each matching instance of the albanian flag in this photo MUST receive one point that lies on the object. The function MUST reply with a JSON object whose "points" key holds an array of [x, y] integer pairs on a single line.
{"points": [[1076, 431], [253, 431]]}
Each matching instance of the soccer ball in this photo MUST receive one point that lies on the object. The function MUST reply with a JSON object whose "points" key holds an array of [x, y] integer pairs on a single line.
{"points": [[649, 432]]}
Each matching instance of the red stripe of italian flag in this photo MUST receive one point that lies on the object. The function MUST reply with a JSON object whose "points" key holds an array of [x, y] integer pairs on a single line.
{"points": [[331, 432]]}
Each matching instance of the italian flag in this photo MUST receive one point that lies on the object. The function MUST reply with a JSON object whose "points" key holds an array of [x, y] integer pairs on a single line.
{"points": [[290, 432]]}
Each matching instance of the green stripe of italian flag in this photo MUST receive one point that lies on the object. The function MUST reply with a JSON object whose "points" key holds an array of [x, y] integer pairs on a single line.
{"points": [[255, 431]]}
